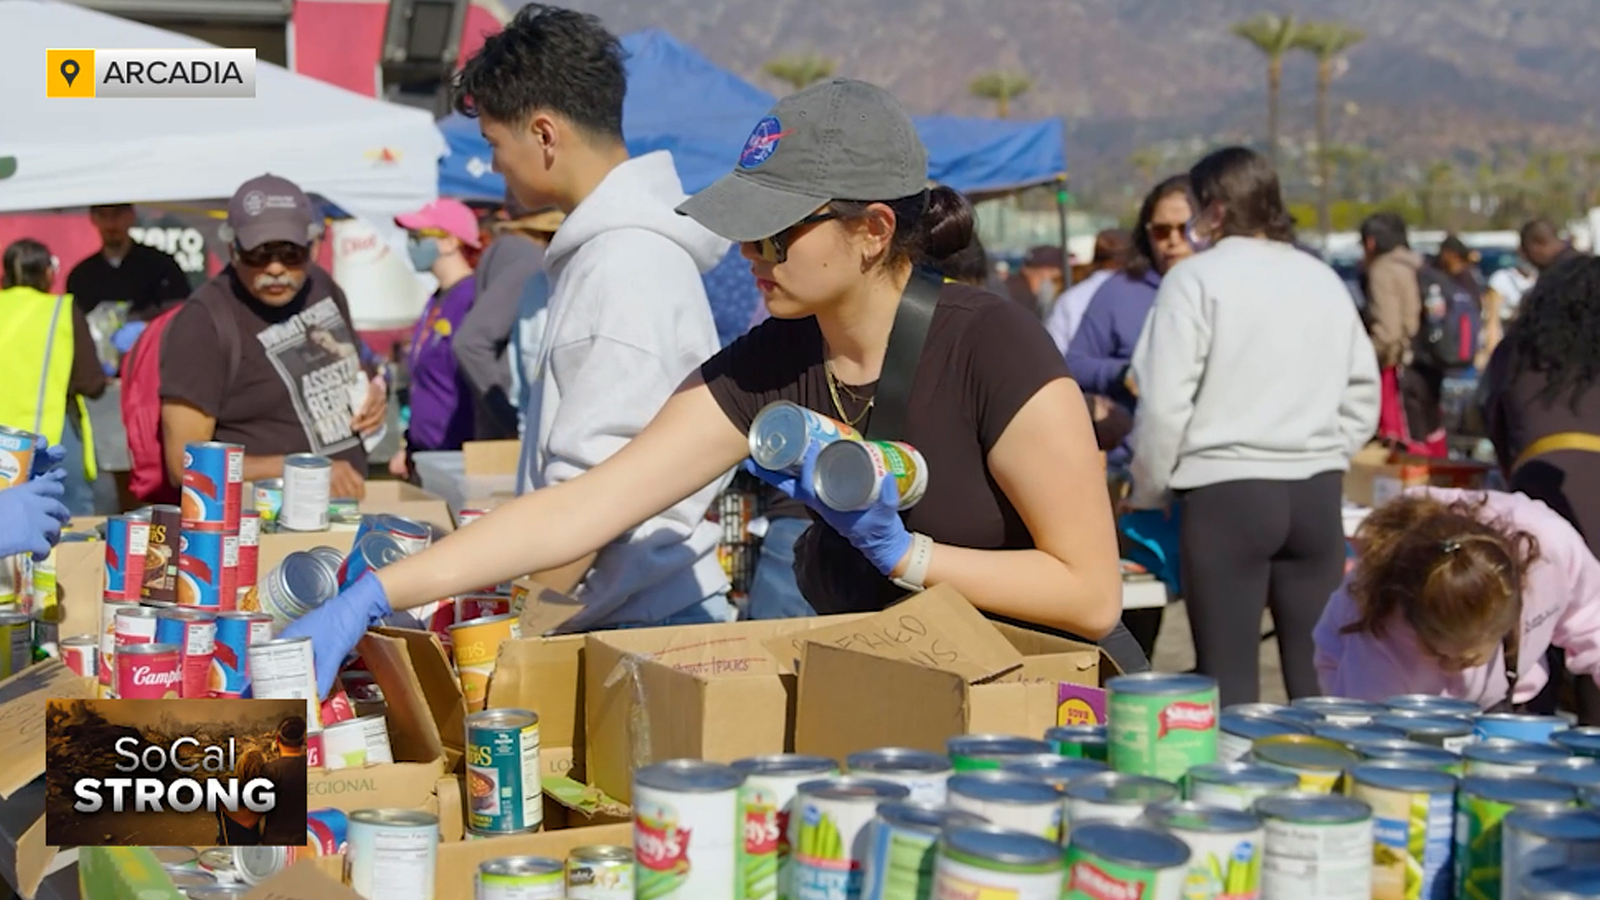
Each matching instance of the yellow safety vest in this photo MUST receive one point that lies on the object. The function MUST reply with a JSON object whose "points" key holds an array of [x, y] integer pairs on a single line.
{"points": [[36, 346]]}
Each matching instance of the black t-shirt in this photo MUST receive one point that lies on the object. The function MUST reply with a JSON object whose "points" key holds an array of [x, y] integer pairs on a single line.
{"points": [[286, 824], [985, 357], [146, 278], [298, 367]]}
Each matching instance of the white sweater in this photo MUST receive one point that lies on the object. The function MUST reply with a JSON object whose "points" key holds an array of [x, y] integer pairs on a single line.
{"points": [[1253, 364]]}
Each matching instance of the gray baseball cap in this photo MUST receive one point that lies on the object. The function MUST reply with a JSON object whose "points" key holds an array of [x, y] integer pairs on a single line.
{"points": [[838, 140], [269, 209]]}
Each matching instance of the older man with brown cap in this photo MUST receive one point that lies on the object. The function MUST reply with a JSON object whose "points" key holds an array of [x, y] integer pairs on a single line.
{"points": [[1043, 275], [265, 354]]}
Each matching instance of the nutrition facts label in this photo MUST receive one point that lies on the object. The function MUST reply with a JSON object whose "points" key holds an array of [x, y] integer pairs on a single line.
{"points": [[402, 860], [1311, 861]]}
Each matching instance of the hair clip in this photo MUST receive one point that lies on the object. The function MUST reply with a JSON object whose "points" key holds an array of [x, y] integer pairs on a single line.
{"points": [[1450, 546]]}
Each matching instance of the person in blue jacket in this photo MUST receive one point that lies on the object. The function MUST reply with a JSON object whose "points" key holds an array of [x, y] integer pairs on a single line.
{"points": [[1100, 351]]}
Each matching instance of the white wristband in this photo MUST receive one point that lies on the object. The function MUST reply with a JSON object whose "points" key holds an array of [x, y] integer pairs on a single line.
{"points": [[917, 568]]}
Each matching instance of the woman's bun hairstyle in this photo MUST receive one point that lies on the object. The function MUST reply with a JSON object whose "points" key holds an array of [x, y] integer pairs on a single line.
{"points": [[949, 226]]}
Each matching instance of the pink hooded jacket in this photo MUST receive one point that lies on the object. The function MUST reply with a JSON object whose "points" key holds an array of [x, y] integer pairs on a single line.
{"points": [[1561, 607]]}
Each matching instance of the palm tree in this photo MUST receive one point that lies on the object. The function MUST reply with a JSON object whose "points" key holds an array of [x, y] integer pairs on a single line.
{"points": [[1000, 87], [1328, 41], [800, 69], [1273, 35]]}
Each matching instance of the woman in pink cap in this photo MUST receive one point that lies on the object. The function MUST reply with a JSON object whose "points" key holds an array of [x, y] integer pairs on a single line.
{"points": [[442, 238]]}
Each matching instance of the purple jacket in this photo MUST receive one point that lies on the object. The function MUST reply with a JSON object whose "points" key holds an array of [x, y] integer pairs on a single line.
{"points": [[441, 400], [1103, 345]]}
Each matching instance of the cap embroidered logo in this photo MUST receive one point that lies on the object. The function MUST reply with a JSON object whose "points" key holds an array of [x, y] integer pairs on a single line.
{"points": [[255, 202], [763, 142]]}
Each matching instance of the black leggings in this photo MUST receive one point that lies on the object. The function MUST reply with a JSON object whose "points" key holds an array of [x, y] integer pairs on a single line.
{"points": [[1249, 544]]}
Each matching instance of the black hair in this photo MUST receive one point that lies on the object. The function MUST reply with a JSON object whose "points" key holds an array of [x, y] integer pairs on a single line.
{"points": [[1386, 231], [292, 732], [931, 228], [1142, 255], [26, 263], [548, 58], [1554, 331], [1246, 185], [948, 220], [1539, 231]]}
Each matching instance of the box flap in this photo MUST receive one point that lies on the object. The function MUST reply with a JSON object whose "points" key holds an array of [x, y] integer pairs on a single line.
{"points": [[544, 674], [851, 701], [22, 704], [80, 585], [305, 881], [937, 628], [413, 730], [452, 809], [34, 859], [433, 679], [545, 609]]}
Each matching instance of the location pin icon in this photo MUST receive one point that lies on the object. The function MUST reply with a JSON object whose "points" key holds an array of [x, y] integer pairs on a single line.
{"points": [[69, 70]]}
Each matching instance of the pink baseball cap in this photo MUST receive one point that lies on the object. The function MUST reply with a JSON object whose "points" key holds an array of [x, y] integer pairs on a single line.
{"points": [[449, 216]]}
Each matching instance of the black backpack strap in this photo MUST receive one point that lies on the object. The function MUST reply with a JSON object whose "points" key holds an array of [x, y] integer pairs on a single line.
{"points": [[910, 332]]}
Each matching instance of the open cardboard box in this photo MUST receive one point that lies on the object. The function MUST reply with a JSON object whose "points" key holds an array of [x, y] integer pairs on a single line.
{"points": [[404, 499], [933, 667], [1377, 474], [543, 673]]}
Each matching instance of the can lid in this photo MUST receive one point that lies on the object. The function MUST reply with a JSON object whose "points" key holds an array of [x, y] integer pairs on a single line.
{"points": [[1244, 774], [1433, 704], [994, 745], [1188, 815], [1415, 723], [848, 788], [786, 764], [381, 549], [257, 864], [602, 853], [846, 475], [778, 435], [1007, 848], [188, 878], [691, 776], [1304, 751], [1517, 789], [1330, 809], [1134, 845], [897, 759], [502, 717], [307, 579], [999, 786], [1576, 825], [928, 818], [1056, 770], [1160, 683], [1499, 750], [521, 865], [1401, 775], [1585, 739], [1119, 789]]}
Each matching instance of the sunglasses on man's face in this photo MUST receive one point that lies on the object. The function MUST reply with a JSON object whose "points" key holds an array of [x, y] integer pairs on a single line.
{"points": [[267, 254], [775, 249]]}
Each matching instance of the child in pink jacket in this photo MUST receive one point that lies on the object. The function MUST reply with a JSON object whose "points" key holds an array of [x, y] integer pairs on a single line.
{"points": [[1444, 578]]}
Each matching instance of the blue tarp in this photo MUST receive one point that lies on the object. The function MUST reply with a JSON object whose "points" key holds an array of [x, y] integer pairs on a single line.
{"points": [[680, 101]]}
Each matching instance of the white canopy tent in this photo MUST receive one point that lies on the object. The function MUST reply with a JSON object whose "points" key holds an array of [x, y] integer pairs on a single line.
{"points": [[372, 159]]}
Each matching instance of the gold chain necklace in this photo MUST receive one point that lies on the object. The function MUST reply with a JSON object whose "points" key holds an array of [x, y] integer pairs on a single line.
{"points": [[833, 391]]}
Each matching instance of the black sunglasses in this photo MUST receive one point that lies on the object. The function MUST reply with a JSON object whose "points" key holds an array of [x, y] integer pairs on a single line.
{"points": [[277, 251], [775, 249]]}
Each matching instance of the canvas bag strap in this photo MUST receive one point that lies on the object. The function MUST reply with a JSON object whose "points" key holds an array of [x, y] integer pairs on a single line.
{"points": [[906, 339]]}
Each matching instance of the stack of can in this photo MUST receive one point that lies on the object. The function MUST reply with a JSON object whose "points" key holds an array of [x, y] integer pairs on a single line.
{"points": [[211, 509], [848, 471]]}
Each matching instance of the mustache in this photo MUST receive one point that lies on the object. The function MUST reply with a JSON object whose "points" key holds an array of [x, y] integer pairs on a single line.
{"points": [[265, 282]]}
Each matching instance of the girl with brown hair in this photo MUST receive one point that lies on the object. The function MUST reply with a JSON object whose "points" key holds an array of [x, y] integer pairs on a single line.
{"points": [[1460, 593]]}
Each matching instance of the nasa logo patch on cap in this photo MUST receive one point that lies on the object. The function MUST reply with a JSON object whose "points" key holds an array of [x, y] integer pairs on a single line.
{"points": [[763, 142]]}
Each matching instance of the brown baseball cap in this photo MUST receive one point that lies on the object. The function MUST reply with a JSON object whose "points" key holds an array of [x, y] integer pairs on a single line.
{"points": [[269, 209]]}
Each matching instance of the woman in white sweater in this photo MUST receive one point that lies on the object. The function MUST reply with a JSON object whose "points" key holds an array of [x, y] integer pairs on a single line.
{"points": [[1257, 383]]}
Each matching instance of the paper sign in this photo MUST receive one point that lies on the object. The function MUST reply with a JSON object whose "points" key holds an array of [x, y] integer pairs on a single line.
{"points": [[1080, 705], [22, 719]]}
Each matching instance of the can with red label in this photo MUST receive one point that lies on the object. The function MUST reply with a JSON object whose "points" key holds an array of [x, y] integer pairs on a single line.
{"points": [[337, 708], [81, 653], [127, 542], [236, 631], [148, 671], [370, 553], [161, 555], [194, 633], [1161, 725], [136, 625], [208, 563], [108, 639], [249, 549], [327, 831], [213, 485], [468, 516]]}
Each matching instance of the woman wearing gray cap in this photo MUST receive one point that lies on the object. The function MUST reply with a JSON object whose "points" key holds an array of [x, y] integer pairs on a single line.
{"points": [[828, 201]]}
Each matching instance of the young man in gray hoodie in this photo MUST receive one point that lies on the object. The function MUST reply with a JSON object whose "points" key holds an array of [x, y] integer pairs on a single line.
{"points": [[628, 318]]}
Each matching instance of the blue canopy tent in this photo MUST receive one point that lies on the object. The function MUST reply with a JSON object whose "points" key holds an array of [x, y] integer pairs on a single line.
{"points": [[680, 101]]}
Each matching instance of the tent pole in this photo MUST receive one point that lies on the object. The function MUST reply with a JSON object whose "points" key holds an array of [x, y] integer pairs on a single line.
{"points": [[1061, 213]]}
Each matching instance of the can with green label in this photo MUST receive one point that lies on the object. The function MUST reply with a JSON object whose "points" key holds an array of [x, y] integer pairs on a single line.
{"points": [[1079, 741], [1161, 725], [1106, 860], [1481, 805], [1413, 818], [901, 848], [848, 475], [975, 752], [1225, 844]]}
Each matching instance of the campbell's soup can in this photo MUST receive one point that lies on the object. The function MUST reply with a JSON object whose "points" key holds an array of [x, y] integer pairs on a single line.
{"points": [[236, 631], [208, 563], [249, 550], [194, 633], [161, 556], [81, 653], [327, 831], [213, 486], [148, 671], [16, 455], [127, 542]]}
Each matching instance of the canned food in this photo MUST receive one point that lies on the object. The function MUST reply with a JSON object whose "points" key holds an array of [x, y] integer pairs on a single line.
{"points": [[848, 475], [1433, 705], [521, 878], [392, 853], [249, 552], [1114, 797], [1518, 727], [1565, 883], [600, 873], [1351, 735], [218, 892], [1419, 757], [213, 484], [327, 831], [81, 653], [1503, 756], [475, 645], [1579, 771], [1237, 732], [331, 559], [672, 801], [148, 672], [161, 554], [1413, 822], [783, 433], [1161, 725], [344, 744], [1058, 771], [46, 634], [1481, 805], [127, 543], [184, 879], [375, 734], [298, 585], [503, 772], [1318, 847], [1080, 741], [901, 848], [1011, 801], [1225, 845], [1450, 732], [16, 643], [1341, 710], [828, 833], [922, 773], [219, 862], [16, 455], [44, 593], [1237, 785], [171, 858], [1320, 764], [235, 632], [194, 633], [136, 625], [1532, 840], [370, 553], [283, 669], [766, 800], [110, 611], [1109, 860], [307, 490], [974, 752], [982, 861], [1582, 741]]}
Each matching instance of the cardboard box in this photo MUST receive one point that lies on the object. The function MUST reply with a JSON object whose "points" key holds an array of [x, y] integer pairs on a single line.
{"points": [[404, 499], [458, 862], [929, 681], [22, 721], [545, 675], [439, 688], [81, 579], [713, 692], [1377, 475]]}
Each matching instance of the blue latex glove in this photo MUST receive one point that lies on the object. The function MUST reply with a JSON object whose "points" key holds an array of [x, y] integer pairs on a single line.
{"points": [[46, 457], [336, 627], [31, 515], [125, 336], [877, 531]]}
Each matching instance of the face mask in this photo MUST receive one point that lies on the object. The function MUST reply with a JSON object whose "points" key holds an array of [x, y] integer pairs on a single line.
{"points": [[423, 252]]}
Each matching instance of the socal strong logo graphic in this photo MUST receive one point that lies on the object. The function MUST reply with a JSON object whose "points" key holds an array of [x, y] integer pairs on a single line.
{"points": [[1092, 881], [1187, 717]]}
